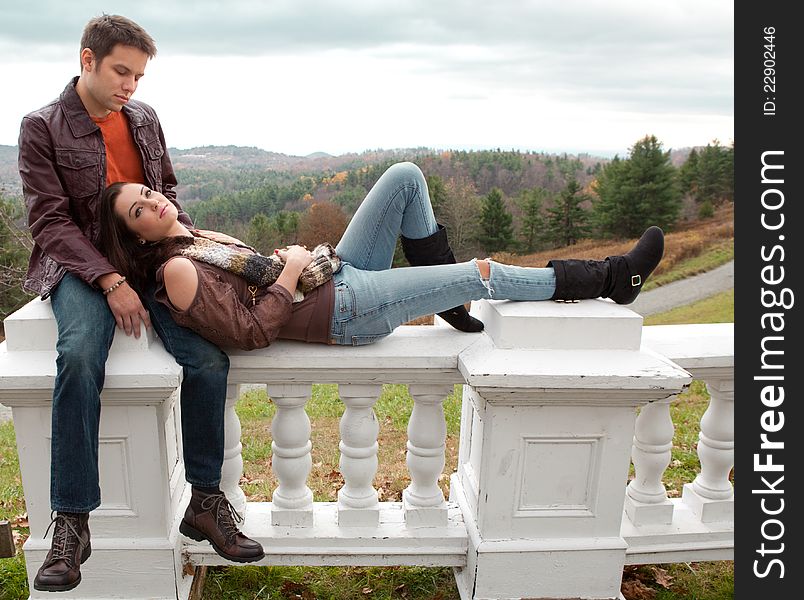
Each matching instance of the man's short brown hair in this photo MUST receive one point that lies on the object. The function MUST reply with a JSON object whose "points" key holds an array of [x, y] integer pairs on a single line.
{"points": [[103, 33]]}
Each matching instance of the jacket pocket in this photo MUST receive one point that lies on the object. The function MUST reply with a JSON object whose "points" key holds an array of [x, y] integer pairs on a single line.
{"points": [[80, 171], [153, 152]]}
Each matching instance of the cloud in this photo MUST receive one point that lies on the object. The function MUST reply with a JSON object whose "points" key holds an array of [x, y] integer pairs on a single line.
{"points": [[629, 57], [250, 27], [629, 53]]}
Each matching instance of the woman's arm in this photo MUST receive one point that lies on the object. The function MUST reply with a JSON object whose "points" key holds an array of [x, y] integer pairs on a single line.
{"points": [[295, 259], [181, 282]]}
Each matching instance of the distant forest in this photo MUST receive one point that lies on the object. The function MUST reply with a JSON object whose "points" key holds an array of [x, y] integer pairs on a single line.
{"points": [[490, 201]]}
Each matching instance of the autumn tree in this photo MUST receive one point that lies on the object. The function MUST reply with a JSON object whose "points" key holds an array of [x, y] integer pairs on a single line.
{"points": [[15, 249], [460, 213], [496, 231], [322, 222], [637, 192], [567, 220]]}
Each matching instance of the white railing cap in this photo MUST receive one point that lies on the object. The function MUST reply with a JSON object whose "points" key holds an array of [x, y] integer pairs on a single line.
{"points": [[693, 347], [33, 328], [585, 325]]}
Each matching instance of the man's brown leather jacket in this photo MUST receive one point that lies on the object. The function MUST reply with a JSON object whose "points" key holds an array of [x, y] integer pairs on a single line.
{"points": [[62, 163]]}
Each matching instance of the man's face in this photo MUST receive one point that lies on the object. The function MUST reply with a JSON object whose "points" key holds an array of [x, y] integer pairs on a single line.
{"points": [[110, 83]]}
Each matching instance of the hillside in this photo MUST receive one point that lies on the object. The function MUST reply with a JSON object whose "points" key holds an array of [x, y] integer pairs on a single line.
{"points": [[688, 240], [207, 170]]}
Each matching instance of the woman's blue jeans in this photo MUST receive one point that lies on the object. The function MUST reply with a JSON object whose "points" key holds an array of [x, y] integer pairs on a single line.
{"points": [[371, 299], [86, 329]]}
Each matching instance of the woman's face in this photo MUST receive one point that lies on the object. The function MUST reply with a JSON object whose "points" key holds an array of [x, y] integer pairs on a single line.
{"points": [[146, 212]]}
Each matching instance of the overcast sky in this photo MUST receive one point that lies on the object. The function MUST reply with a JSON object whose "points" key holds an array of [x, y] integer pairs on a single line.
{"points": [[301, 76]]}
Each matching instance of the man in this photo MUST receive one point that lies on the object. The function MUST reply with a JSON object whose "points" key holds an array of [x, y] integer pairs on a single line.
{"points": [[69, 151]]}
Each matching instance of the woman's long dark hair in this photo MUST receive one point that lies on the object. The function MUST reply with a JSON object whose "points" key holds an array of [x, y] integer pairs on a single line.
{"points": [[138, 262]]}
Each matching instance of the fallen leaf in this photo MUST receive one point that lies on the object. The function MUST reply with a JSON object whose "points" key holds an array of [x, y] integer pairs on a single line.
{"points": [[367, 590], [662, 577], [20, 520], [633, 589]]}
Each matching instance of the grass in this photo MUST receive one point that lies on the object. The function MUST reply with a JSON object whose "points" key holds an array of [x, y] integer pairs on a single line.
{"points": [[715, 309], [688, 252], [13, 579]]}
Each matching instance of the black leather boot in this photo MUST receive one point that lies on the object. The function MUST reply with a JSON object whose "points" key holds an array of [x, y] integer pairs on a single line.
{"points": [[435, 250], [618, 277], [69, 548]]}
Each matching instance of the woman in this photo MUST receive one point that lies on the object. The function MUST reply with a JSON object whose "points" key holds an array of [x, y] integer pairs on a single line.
{"points": [[365, 300]]}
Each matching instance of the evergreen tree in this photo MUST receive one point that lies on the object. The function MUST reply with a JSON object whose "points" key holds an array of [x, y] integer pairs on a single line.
{"points": [[496, 232], [688, 173], [567, 220], [708, 176], [638, 192], [287, 226], [261, 234], [438, 193], [531, 225], [714, 174]]}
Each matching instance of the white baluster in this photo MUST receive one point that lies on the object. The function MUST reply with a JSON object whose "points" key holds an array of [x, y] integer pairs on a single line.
{"points": [[646, 500], [357, 500], [423, 500], [292, 462], [711, 495], [232, 469]]}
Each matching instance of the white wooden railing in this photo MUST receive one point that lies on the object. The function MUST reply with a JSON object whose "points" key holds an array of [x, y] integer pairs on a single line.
{"points": [[538, 505]]}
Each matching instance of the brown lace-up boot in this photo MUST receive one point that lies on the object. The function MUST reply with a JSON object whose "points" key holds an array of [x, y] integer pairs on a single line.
{"points": [[211, 517], [69, 549]]}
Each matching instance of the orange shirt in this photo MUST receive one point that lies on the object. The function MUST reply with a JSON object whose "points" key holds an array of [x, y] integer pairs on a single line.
{"points": [[123, 160]]}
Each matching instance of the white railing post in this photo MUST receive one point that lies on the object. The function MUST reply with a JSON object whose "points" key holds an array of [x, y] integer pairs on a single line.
{"points": [[358, 504], [292, 461], [548, 423], [232, 468], [552, 392], [711, 495], [423, 500], [646, 500], [136, 550]]}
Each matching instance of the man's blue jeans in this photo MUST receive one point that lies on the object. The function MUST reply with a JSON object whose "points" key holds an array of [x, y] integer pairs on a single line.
{"points": [[371, 299], [85, 332]]}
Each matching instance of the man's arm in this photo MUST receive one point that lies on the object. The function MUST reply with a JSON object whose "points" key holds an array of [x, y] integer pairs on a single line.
{"points": [[49, 218], [54, 230]]}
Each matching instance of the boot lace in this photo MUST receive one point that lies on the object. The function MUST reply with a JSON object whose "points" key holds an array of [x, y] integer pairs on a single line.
{"points": [[226, 516], [66, 537]]}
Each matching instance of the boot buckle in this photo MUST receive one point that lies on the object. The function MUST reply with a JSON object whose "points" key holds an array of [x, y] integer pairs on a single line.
{"points": [[636, 280]]}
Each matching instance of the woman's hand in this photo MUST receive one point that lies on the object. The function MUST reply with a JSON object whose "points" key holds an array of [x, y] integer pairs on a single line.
{"points": [[296, 256], [295, 259]]}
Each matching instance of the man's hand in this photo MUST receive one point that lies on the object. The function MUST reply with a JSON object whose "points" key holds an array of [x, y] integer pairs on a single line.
{"points": [[125, 305]]}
